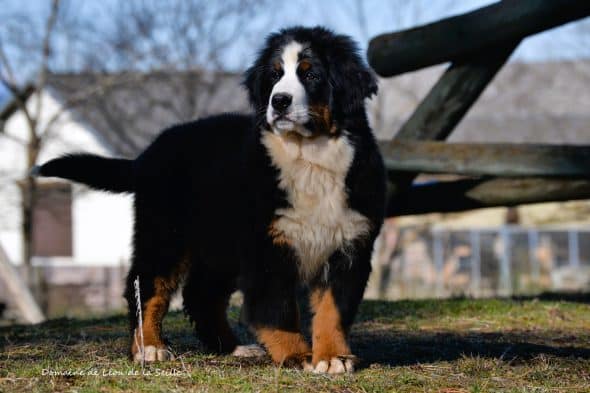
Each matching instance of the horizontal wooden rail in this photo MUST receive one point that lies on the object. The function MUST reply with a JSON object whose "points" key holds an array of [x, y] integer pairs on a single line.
{"points": [[460, 36], [468, 194], [482, 159]]}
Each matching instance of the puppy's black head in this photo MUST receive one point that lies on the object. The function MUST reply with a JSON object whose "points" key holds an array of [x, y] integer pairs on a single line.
{"points": [[308, 80]]}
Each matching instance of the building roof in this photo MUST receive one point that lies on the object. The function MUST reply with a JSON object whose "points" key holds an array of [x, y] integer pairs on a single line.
{"points": [[526, 102], [128, 110]]}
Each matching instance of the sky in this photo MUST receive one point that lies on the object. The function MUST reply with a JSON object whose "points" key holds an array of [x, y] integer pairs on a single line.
{"points": [[341, 15]]}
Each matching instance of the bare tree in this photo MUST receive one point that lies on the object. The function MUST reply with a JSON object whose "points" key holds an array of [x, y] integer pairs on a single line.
{"points": [[35, 134], [186, 46]]}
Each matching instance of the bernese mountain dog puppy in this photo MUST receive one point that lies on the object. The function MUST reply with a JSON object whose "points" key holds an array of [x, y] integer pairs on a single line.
{"points": [[292, 195]]}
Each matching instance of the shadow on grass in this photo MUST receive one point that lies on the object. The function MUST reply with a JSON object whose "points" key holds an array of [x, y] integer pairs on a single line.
{"points": [[375, 340], [574, 297], [408, 349]]}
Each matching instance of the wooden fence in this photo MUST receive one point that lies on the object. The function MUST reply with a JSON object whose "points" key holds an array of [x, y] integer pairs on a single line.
{"points": [[477, 44]]}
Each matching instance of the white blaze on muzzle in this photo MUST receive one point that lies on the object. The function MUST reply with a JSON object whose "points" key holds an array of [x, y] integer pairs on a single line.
{"points": [[294, 117]]}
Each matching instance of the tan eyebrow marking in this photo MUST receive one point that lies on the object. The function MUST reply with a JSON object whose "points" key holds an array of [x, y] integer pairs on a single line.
{"points": [[305, 65], [277, 66]]}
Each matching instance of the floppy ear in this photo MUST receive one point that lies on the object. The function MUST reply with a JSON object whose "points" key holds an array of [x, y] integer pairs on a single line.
{"points": [[252, 83], [351, 79], [254, 78]]}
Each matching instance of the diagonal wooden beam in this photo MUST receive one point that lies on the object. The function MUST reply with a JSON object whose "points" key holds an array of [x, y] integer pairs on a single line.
{"points": [[445, 105], [483, 159], [460, 36], [453, 94]]}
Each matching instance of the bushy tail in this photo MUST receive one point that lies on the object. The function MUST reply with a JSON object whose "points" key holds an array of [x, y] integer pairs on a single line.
{"points": [[107, 174]]}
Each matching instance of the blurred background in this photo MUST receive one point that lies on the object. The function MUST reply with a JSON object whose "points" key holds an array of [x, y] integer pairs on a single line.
{"points": [[107, 76]]}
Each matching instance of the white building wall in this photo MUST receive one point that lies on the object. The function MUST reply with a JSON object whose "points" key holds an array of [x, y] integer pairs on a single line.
{"points": [[102, 228], [101, 222]]}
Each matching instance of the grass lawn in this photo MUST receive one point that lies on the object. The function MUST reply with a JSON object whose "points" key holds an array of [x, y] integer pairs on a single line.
{"points": [[529, 345]]}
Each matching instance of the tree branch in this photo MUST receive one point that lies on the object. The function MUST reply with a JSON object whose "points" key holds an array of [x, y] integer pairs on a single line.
{"points": [[17, 95], [46, 53]]}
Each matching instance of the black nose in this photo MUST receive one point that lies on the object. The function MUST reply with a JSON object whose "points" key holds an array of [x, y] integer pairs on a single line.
{"points": [[281, 101]]}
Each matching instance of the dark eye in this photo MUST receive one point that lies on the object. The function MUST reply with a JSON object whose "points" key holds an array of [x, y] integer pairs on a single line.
{"points": [[275, 74], [311, 76]]}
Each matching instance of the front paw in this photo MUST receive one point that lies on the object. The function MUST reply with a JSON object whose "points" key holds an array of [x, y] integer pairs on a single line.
{"points": [[335, 365], [152, 353]]}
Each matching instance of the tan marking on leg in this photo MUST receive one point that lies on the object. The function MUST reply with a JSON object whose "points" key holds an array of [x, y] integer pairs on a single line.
{"points": [[153, 314], [283, 346], [154, 311], [328, 337]]}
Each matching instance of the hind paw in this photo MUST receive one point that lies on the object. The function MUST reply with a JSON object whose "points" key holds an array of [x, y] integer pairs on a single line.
{"points": [[249, 351]]}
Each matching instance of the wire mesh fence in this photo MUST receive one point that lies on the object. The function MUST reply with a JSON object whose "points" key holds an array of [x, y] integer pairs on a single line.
{"points": [[504, 261]]}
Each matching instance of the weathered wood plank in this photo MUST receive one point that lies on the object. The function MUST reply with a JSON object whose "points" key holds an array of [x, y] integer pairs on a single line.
{"points": [[467, 194], [18, 291], [459, 36], [483, 159]]}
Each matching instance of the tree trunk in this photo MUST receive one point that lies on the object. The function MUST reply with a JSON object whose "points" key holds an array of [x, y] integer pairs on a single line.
{"points": [[33, 276]]}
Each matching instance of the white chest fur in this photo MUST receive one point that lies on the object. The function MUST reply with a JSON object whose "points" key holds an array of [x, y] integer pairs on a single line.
{"points": [[313, 174]]}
